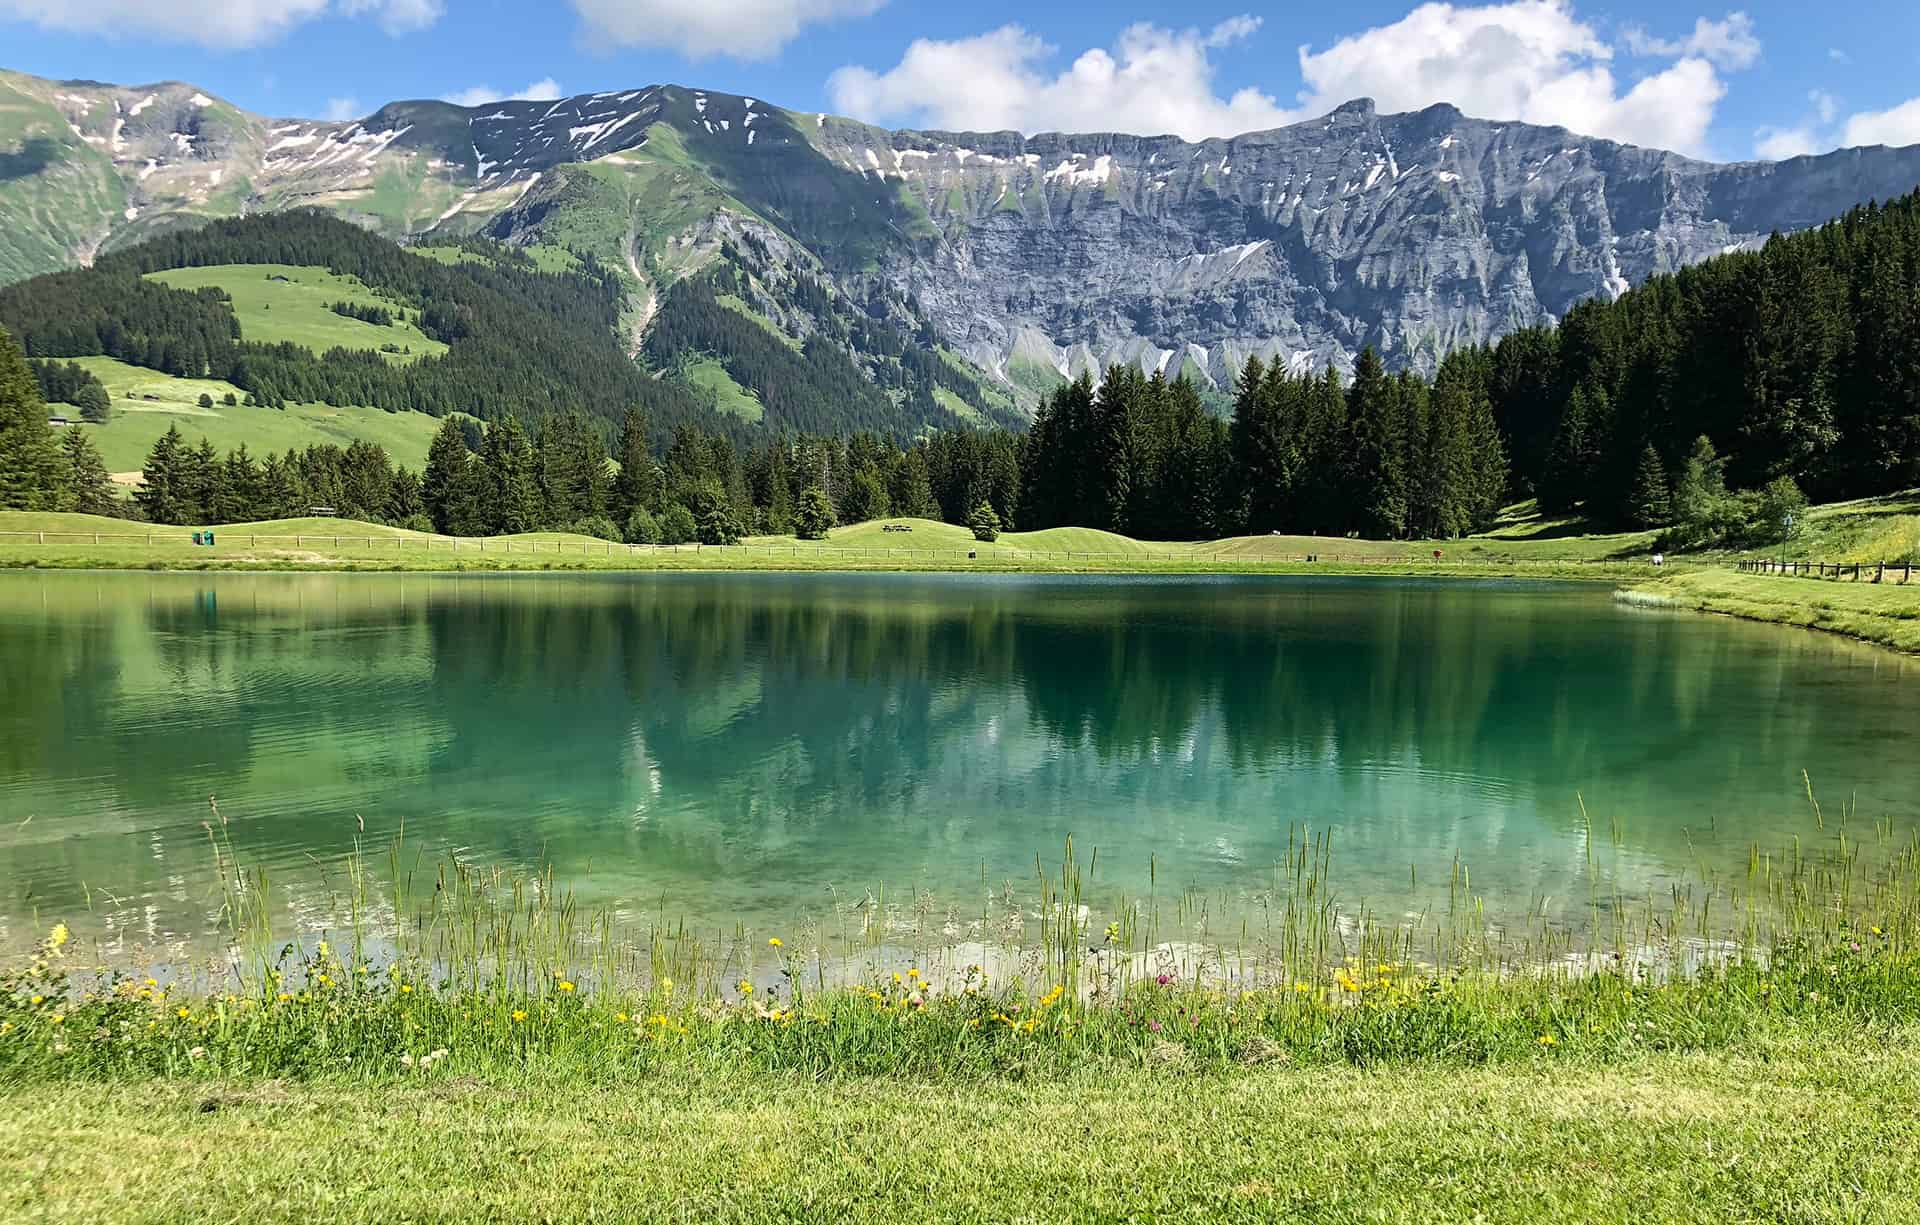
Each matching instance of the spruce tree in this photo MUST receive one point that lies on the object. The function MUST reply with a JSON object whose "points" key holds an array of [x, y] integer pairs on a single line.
{"points": [[1648, 502], [88, 485], [910, 489], [32, 469], [814, 517], [163, 492], [1379, 460], [512, 490], [450, 486], [638, 484]]}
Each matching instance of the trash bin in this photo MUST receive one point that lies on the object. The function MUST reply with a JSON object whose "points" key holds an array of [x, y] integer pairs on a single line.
{"points": [[196, 538], [209, 539]]}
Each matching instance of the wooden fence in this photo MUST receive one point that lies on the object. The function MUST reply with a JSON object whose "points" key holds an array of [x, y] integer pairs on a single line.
{"points": [[1899, 572]]}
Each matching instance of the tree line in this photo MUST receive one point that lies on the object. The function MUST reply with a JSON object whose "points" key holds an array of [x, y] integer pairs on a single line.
{"points": [[1799, 361]]}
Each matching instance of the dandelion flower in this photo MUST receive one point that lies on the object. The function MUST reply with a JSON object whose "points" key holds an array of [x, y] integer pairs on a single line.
{"points": [[746, 986], [1548, 1040], [775, 942], [58, 936], [519, 1014], [59, 1018], [37, 1000], [182, 1013], [566, 986]]}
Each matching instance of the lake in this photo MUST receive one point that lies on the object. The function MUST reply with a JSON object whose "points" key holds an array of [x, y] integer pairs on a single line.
{"points": [[750, 748]]}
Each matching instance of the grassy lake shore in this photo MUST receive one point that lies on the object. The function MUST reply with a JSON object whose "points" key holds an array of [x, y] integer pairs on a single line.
{"points": [[1887, 614], [1808, 1124]]}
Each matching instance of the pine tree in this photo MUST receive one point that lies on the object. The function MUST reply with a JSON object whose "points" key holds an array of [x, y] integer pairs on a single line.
{"points": [[450, 487], [985, 523], [163, 491], [512, 490], [31, 465], [96, 406], [638, 484], [88, 485], [1379, 460], [1563, 484], [1649, 502], [203, 482], [866, 496], [814, 517], [910, 489], [714, 517], [239, 493]]}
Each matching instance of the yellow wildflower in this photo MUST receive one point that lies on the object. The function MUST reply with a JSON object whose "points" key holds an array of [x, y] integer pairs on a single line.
{"points": [[58, 936], [566, 986], [182, 1013], [1548, 1040], [519, 1014], [38, 1000], [406, 988], [621, 1017], [746, 986], [775, 942]]}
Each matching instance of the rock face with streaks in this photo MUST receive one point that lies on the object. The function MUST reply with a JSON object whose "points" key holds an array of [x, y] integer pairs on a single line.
{"points": [[1034, 258]]}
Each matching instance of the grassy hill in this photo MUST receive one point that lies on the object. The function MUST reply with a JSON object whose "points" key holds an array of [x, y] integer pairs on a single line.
{"points": [[278, 303], [160, 401]]}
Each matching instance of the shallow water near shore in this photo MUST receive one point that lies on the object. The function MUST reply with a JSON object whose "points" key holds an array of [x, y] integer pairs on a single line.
{"points": [[754, 749]]}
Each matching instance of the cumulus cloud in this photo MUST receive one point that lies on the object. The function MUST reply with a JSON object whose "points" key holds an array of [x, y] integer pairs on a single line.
{"points": [[397, 16], [1731, 43], [701, 29], [544, 90], [1897, 127], [221, 24], [1822, 129], [1529, 60], [339, 110], [1153, 81]]}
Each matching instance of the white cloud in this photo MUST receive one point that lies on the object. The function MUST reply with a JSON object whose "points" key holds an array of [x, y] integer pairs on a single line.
{"points": [[397, 16], [1531, 60], [1731, 43], [1897, 127], [1838, 56], [1528, 60], [1779, 144], [1154, 81], [699, 29], [219, 23], [339, 110], [1822, 131], [544, 90]]}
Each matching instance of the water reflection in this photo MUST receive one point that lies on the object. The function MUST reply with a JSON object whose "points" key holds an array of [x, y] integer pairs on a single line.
{"points": [[735, 745]]}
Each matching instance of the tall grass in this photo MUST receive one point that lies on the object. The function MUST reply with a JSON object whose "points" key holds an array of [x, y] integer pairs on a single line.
{"points": [[436, 966]]}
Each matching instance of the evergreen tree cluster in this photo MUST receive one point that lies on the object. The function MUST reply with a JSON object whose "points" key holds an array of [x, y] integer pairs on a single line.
{"points": [[521, 341], [1800, 360], [39, 471], [189, 484], [366, 312], [72, 383]]}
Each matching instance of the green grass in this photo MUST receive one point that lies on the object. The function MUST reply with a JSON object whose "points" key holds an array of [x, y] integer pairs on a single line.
{"points": [[1886, 613], [958, 407], [135, 424], [729, 396], [1818, 1129], [295, 309]]}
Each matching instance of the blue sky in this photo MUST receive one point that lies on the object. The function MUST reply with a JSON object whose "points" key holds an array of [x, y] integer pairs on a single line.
{"points": [[1771, 78]]}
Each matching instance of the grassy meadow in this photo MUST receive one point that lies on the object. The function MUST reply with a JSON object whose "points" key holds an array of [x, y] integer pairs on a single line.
{"points": [[160, 401], [284, 303]]}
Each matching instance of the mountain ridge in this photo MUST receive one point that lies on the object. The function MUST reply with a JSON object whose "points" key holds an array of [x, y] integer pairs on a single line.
{"points": [[1033, 258]]}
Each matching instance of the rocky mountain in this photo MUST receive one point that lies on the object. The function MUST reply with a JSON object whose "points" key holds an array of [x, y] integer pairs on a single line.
{"points": [[1023, 261]]}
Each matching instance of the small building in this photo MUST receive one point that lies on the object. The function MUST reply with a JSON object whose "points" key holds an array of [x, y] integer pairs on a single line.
{"points": [[322, 512], [58, 420]]}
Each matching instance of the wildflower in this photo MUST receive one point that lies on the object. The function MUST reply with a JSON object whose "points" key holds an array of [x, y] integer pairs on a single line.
{"points": [[566, 986], [1153, 1026], [745, 985], [59, 1018], [197, 1053], [1876, 931], [666, 985], [406, 1061], [153, 982], [519, 1014], [406, 988], [1302, 988], [1164, 979], [182, 1013], [37, 1000], [620, 1017], [774, 942], [1548, 1040], [57, 937]]}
